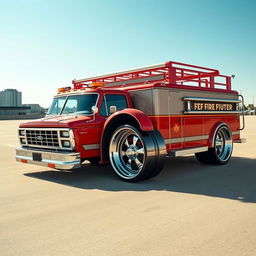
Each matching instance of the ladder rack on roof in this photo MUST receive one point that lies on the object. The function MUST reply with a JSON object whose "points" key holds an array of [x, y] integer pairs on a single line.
{"points": [[173, 73]]}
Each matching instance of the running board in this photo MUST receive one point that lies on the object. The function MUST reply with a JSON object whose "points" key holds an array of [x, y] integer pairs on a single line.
{"points": [[188, 151]]}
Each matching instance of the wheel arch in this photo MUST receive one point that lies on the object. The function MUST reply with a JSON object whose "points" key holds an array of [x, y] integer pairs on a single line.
{"points": [[132, 117]]}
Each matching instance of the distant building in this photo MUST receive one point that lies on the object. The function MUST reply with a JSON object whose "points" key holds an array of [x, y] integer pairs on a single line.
{"points": [[10, 98], [11, 106], [34, 108], [13, 111]]}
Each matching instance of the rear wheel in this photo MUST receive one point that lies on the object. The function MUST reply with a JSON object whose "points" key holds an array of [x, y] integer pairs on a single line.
{"points": [[222, 149], [135, 155]]}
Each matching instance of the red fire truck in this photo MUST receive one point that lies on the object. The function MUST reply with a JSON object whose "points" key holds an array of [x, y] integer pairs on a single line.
{"points": [[135, 118]]}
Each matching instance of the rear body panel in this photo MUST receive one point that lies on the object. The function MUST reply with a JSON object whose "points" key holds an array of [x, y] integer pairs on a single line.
{"points": [[166, 107]]}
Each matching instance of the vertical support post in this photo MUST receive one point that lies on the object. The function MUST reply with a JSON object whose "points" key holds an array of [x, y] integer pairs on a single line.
{"points": [[171, 74], [211, 81], [199, 79], [228, 82]]}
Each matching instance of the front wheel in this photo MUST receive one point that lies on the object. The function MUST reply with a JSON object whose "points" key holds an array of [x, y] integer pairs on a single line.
{"points": [[135, 155]]}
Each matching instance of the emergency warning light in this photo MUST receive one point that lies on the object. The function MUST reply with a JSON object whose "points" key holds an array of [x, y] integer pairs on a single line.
{"points": [[94, 84], [64, 89]]}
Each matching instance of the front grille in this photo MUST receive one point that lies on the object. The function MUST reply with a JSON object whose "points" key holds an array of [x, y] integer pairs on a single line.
{"points": [[46, 138], [51, 138]]}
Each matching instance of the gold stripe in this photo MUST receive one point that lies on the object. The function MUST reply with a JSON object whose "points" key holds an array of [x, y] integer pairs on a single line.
{"points": [[186, 139]]}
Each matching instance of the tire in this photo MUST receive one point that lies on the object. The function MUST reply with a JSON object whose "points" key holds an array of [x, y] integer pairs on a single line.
{"points": [[222, 148], [136, 155]]}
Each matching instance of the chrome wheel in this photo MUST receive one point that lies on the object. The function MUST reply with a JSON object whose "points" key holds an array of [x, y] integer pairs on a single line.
{"points": [[136, 155], [221, 149], [223, 144], [127, 152]]}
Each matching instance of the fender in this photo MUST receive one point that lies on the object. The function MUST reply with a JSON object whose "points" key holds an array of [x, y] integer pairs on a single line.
{"points": [[213, 133], [125, 116], [142, 119]]}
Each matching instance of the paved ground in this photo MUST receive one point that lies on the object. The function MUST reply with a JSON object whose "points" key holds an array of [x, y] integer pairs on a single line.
{"points": [[189, 209]]}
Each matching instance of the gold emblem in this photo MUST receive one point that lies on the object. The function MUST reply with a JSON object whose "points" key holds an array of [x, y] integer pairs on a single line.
{"points": [[176, 128]]}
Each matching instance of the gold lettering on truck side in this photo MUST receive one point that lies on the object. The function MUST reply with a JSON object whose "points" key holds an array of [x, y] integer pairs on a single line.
{"points": [[210, 106]]}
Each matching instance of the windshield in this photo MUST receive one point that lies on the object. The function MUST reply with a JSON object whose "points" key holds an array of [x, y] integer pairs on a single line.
{"points": [[75, 104]]}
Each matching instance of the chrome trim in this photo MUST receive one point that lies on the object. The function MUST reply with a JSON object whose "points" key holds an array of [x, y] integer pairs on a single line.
{"points": [[215, 132], [189, 106], [91, 146], [223, 143], [186, 139], [242, 97], [211, 99], [211, 112], [128, 159], [48, 160], [236, 133], [188, 151], [72, 139], [60, 139], [63, 160], [242, 140]]}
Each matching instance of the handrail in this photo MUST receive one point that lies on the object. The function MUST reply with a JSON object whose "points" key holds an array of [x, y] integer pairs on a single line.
{"points": [[242, 97]]}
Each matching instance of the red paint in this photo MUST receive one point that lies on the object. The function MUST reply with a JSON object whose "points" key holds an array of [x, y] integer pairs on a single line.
{"points": [[143, 120]]}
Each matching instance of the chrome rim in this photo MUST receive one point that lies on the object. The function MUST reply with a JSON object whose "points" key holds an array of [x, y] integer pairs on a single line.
{"points": [[127, 153], [223, 144]]}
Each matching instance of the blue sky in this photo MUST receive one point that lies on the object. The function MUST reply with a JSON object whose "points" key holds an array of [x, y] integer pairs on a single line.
{"points": [[45, 44]]}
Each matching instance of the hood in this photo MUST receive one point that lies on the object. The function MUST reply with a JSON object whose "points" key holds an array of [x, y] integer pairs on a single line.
{"points": [[65, 121]]}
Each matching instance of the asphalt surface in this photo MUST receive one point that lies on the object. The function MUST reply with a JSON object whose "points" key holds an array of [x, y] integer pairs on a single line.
{"points": [[189, 209]]}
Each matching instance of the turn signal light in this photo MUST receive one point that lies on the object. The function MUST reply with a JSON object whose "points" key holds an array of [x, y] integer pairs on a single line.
{"points": [[51, 165]]}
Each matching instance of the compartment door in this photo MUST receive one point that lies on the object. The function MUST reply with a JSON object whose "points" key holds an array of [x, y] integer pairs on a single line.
{"points": [[175, 109]]}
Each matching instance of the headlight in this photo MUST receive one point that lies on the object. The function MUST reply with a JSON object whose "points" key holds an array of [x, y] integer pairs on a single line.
{"points": [[22, 140], [22, 132], [64, 134], [65, 143]]}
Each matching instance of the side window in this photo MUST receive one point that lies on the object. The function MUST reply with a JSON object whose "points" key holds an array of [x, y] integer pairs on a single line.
{"points": [[112, 100]]}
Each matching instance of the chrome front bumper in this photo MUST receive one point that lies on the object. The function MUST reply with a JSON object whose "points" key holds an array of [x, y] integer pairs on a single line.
{"points": [[56, 160]]}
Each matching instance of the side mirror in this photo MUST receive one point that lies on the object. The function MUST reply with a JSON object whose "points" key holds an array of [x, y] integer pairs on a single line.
{"points": [[95, 110], [112, 109]]}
